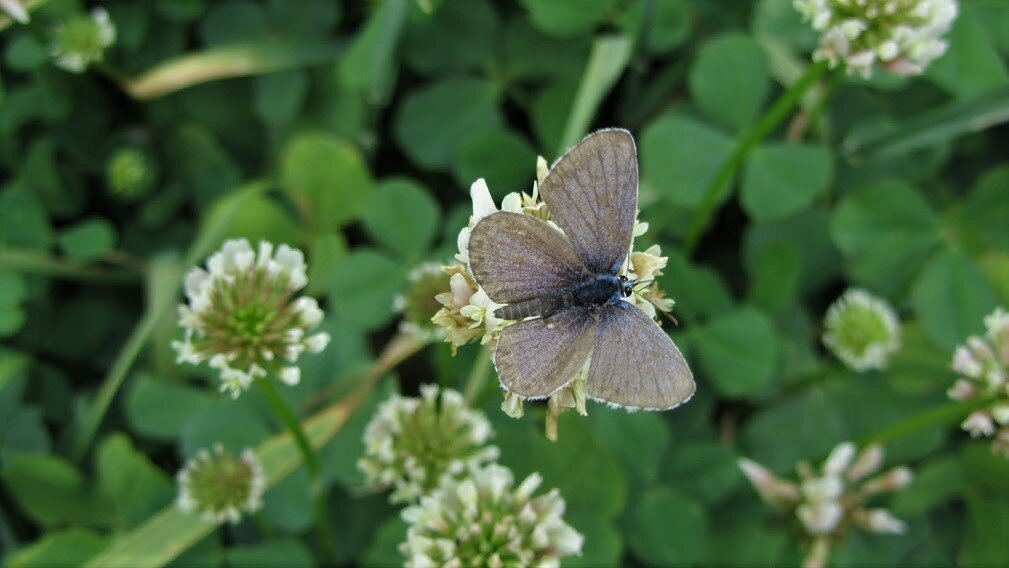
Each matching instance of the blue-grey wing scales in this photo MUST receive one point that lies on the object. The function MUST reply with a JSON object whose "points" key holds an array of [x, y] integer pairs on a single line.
{"points": [[635, 364], [592, 193], [537, 357], [516, 257]]}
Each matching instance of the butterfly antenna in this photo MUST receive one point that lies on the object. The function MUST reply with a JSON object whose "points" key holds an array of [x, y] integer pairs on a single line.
{"points": [[665, 314]]}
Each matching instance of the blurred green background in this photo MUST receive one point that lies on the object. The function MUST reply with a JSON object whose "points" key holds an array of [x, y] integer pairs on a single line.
{"points": [[353, 130]]}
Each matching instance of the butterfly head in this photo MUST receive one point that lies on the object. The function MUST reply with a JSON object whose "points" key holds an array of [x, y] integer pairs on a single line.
{"points": [[626, 286]]}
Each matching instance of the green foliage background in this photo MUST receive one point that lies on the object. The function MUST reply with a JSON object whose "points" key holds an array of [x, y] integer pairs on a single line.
{"points": [[355, 132]]}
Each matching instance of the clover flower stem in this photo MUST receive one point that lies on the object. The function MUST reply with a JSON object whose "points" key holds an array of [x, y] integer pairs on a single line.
{"points": [[293, 425], [768, 122], [951, 412], [478, 374]]}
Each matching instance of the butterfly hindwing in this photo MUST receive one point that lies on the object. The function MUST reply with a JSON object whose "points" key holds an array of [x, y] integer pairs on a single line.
{"points": [[592, 193], [635, 364], [516, 257], [537, 357]]}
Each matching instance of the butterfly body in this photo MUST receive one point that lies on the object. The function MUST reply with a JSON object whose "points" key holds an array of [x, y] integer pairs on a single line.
{"points": [[599, 290], [567, 290]]}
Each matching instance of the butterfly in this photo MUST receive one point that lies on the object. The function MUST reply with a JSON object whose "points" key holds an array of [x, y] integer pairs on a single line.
{"points": [[568, 288]]}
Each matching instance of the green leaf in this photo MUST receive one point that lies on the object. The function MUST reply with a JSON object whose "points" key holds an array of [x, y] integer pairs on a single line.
{"points": [[801, 426], [668, 529], [368, 66], [938, 481], [667, 24], [236, 425], [23, 220], [603, 544], [289, 505], [433, 122], [748, 544], [886, 231], [88, 240], [706, 471], [567, 18], [403, 217], [326, 251], [971, 66], [638, 440], [363, 286], [707, 293], [279, 96], [951, 297], [780, 20], [549, 111], [222, 63], [134, 486], [233, 22], [327, 178], [52, 491], [775, 279], [280, 552], [729, 80], [739, 352], [254, 216], [680, 170], [807, 234], [58, 549], [984, 212], [782, 179], [502, 157], [457, 37], [383, 550], [607, 61], [984, 532], [577, 464]]}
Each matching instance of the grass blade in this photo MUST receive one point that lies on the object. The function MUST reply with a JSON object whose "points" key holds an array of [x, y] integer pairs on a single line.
{"points": [[607, 62], [931, 128], [222, 63]]}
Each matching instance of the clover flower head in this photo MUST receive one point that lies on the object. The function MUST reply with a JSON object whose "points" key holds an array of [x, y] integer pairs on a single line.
{"points": [[861, 330], [902, 36], [82, 40], [482, 519], [467, 313], [419, 304], [826, 501], [220, 486], [242, 316], [413, 444], [129, 173], [982, 364]]}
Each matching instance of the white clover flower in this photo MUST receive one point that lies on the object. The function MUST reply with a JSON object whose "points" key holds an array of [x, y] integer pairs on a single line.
{"points": [[482, 520], [902, 36], [419, 304], [242, 319], [412, 444], [824, 502], [982, 364], [129, 174], [861, 330], [82, 40], [220, 486]]}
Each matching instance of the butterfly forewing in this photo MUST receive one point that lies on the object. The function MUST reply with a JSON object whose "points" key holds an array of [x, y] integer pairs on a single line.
{"points": [[516, 257], [536, 357], [635, 364], [592, 193]]}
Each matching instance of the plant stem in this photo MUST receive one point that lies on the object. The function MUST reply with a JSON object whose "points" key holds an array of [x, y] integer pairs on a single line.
{"points": [[478, 374], [768, 122], [293, 425], [34, 262], [952, 412]]}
